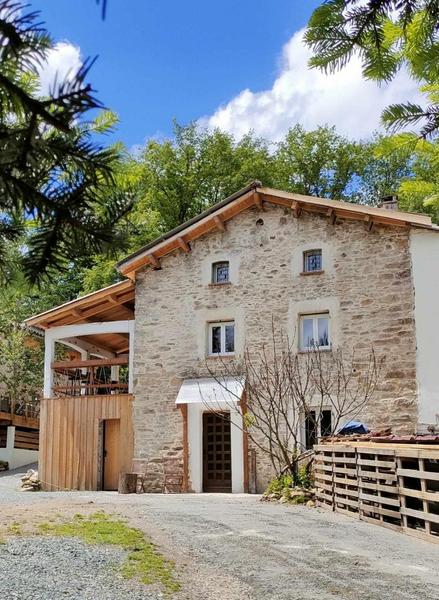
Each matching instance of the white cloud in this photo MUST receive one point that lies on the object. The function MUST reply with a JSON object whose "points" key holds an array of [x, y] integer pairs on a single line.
{"points": [[64, 60], [311, 98]]}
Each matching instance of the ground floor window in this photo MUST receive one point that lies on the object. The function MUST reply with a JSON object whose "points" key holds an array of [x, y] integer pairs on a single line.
{"points": [[317, 424]]}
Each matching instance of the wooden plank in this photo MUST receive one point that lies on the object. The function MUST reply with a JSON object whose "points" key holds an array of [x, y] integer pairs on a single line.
{"points": [[98, 362], [386, 524], [327, 468], [351, 472], [376, 450], [69, 438], [324, 496], [420, 514], [377, 463], [392, 489], [345, 491], [322, 476], [431, 475], [374, 475], [348, 513], [20, 420], [344, 459], [324, 486], [346, 501], [380, 499], [379, 510]]}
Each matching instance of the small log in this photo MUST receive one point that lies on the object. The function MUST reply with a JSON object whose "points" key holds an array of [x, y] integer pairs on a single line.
{"points": [[127, 483]]}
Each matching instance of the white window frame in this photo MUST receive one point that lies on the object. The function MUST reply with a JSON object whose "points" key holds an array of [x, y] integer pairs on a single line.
{"points": [[305, 260], [315, 317], [222, 325], [214, 272]]}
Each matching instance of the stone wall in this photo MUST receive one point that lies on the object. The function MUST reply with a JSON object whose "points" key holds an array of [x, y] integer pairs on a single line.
{"points": [[366, 286]]}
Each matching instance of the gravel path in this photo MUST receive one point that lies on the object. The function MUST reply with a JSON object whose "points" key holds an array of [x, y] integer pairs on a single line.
{"points": [[236, 548], [54, 568]]}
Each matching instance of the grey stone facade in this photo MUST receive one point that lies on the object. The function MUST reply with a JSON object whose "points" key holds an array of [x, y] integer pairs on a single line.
{"points": [[366, 286]]}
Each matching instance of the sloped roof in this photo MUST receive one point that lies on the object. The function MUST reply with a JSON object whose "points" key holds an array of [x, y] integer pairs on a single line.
{"points": [[113, 303], [256, 194]]}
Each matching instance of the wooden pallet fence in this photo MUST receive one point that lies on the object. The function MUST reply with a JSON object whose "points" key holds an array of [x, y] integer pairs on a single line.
{"points": [[395, 486], [345, 480], [324, 476], [418, 480], [379, 494]]}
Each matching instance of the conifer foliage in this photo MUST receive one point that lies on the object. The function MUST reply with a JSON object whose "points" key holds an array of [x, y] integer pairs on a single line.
{"points": [[53, 173]]}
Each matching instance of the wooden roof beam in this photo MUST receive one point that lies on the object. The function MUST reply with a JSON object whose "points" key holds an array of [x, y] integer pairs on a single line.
{"points": [[296, 207], [259, 203], [154, 261], [219, 223], [183, 245], [112, 299], [370, 222], [332, 215], [79, 344]]}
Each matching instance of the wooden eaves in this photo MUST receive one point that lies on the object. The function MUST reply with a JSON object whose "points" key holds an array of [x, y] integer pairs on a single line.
{"points": [[115, 302], [216, 218]]}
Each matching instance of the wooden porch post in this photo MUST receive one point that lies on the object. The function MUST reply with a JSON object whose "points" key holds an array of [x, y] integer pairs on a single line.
{"points": [[49, 354]]}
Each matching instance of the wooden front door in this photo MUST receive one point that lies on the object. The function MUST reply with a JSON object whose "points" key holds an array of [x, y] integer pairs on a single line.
{"points": [[217, 453], [111, 454]]}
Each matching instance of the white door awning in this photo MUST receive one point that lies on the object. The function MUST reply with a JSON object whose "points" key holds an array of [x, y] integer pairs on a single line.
{"points": [[208, 390]]}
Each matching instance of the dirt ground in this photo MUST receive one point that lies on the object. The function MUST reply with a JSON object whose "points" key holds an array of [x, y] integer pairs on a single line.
{"points": [[235, 547]]}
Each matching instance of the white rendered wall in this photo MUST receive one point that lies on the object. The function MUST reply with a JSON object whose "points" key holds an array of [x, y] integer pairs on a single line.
{"points": [[195, 438], [16, 457], [424, 248]]}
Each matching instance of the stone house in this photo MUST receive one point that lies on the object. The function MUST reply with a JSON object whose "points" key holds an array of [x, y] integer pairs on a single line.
{"points": [[350, 276]]}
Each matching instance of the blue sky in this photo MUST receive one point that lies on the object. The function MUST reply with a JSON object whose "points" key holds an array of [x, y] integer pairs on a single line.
{"points": [[233, 64]]}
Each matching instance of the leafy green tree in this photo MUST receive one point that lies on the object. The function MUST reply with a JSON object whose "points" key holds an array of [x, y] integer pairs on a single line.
{"points": [[52, 170], [381, 173], [420, 191], [386, 35], [317, 163], [181, 177]]}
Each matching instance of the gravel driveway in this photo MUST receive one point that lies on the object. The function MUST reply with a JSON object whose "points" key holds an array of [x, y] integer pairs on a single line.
{"points": [[236, 548]]}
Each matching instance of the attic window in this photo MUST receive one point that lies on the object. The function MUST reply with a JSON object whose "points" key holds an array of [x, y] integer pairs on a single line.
{"points": [[312, 261], [220, 272]]}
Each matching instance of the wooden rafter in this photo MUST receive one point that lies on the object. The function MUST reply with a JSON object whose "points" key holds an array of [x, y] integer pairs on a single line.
{"points": [[219, 223], [296, 207], [116, 302], [332, 215], [183, 245], [258, 201], [154, 261], [369, 221]]}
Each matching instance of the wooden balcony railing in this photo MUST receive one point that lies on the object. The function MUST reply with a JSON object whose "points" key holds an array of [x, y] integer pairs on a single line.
{"points": [[90, 377], [23, 408]]}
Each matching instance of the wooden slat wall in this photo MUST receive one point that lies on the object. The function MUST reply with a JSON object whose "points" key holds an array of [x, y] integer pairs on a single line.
{"points": [[69, 439], [26, 440], [3, 436]]}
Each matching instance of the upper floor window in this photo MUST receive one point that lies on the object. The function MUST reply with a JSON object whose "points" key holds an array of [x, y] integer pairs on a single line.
{"points": [[220, 272], [222, 338], [314, 332], [312, 261]]}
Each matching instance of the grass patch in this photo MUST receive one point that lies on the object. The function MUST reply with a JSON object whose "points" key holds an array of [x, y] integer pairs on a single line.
{"points": [[143, 562], [14, 528]]}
